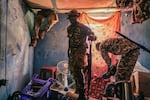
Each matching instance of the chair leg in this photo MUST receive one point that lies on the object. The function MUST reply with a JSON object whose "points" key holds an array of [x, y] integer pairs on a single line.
{"points": [[124, 90]]}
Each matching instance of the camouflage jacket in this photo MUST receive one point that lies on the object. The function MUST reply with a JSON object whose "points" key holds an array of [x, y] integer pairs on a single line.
{"points": [[116, 46], [77, 34]]}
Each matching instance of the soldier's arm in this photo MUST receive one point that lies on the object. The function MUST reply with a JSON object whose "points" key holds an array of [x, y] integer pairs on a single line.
{"points": [[91, 35], [106, 57]]}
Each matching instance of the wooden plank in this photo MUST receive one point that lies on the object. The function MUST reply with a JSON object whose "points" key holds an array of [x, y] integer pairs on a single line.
{"points": [[141, 83]]}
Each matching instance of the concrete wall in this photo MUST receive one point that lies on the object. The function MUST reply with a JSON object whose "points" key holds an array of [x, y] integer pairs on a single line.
{"points": [[16, 57]]}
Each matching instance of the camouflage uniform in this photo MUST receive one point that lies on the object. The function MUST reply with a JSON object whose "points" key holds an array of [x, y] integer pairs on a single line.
{"points": [[129, 53], [77, 34]]}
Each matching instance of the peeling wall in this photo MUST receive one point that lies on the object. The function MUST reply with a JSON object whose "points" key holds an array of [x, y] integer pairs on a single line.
{"points": [[16, 56]]}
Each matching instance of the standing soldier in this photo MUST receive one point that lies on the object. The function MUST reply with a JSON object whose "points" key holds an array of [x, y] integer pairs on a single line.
{"points": [[77, 34]]}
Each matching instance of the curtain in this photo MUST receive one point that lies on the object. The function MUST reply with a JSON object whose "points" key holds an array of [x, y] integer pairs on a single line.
{"points": [[103, 29]]}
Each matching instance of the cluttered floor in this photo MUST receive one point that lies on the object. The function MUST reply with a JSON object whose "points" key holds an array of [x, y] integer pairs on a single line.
{"points": [[53, 84]]}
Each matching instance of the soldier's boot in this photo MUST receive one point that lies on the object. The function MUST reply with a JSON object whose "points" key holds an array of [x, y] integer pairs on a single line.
{"points": [[82, 95]]}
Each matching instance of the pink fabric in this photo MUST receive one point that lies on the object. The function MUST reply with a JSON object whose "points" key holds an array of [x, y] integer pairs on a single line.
{"points": [[103, 29]]}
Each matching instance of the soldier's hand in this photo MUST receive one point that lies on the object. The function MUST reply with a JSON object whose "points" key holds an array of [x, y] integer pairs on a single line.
{"points": [[111, 71]]}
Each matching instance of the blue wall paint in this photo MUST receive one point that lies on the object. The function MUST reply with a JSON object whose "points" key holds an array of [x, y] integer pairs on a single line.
{"points": [[140, 33], [16, 55], [53, 48]]}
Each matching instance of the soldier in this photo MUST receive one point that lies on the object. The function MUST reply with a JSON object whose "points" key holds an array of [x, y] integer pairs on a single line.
{"points": [[77, 34], [129, 52]]}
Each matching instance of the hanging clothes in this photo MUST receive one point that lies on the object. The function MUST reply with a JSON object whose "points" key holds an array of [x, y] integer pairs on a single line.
{"points": [[124, 3], [141, 10]]}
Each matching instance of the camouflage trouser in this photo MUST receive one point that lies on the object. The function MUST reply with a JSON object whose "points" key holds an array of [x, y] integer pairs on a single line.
{"points": [[76, 63], [126, 65]]}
